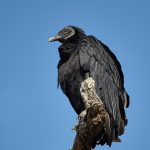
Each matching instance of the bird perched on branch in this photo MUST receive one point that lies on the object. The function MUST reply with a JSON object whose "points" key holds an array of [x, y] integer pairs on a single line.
{"points": [[81, 57]]}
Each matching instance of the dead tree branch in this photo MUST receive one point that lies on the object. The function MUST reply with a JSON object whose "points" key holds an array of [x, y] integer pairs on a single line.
{"points": [[91, 120]]}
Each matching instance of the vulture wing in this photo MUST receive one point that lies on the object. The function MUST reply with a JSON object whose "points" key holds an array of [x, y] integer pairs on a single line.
{"points": [[102, 65]]}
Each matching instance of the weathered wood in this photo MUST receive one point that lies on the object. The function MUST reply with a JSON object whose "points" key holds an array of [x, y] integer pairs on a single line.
{"points": [[91, 120]]}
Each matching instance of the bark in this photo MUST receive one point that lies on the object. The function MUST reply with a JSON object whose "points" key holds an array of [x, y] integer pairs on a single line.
{"points": [[91, 120]]}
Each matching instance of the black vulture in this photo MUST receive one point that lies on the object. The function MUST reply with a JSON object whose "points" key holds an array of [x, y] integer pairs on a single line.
{"points": [[83, 56]]}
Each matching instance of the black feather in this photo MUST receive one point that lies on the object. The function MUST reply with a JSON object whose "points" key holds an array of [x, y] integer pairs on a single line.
{"points": [[83, 54]]}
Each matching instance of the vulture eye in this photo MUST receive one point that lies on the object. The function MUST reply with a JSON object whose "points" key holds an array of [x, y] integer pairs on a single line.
{"points": [[66, 31]]}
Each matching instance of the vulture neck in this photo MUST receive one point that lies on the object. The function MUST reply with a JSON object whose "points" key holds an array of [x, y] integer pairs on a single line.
{"points": [[69, 47]]}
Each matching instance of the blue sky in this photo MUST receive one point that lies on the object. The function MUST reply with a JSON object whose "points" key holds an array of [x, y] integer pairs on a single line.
{"points": [[34, 114]]}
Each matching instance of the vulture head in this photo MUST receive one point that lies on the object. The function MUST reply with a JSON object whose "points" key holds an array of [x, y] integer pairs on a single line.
{"points": [[67, 34]]}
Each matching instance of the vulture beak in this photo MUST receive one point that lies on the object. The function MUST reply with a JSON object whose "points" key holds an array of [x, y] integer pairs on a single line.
{"points": [[55, 38]]}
